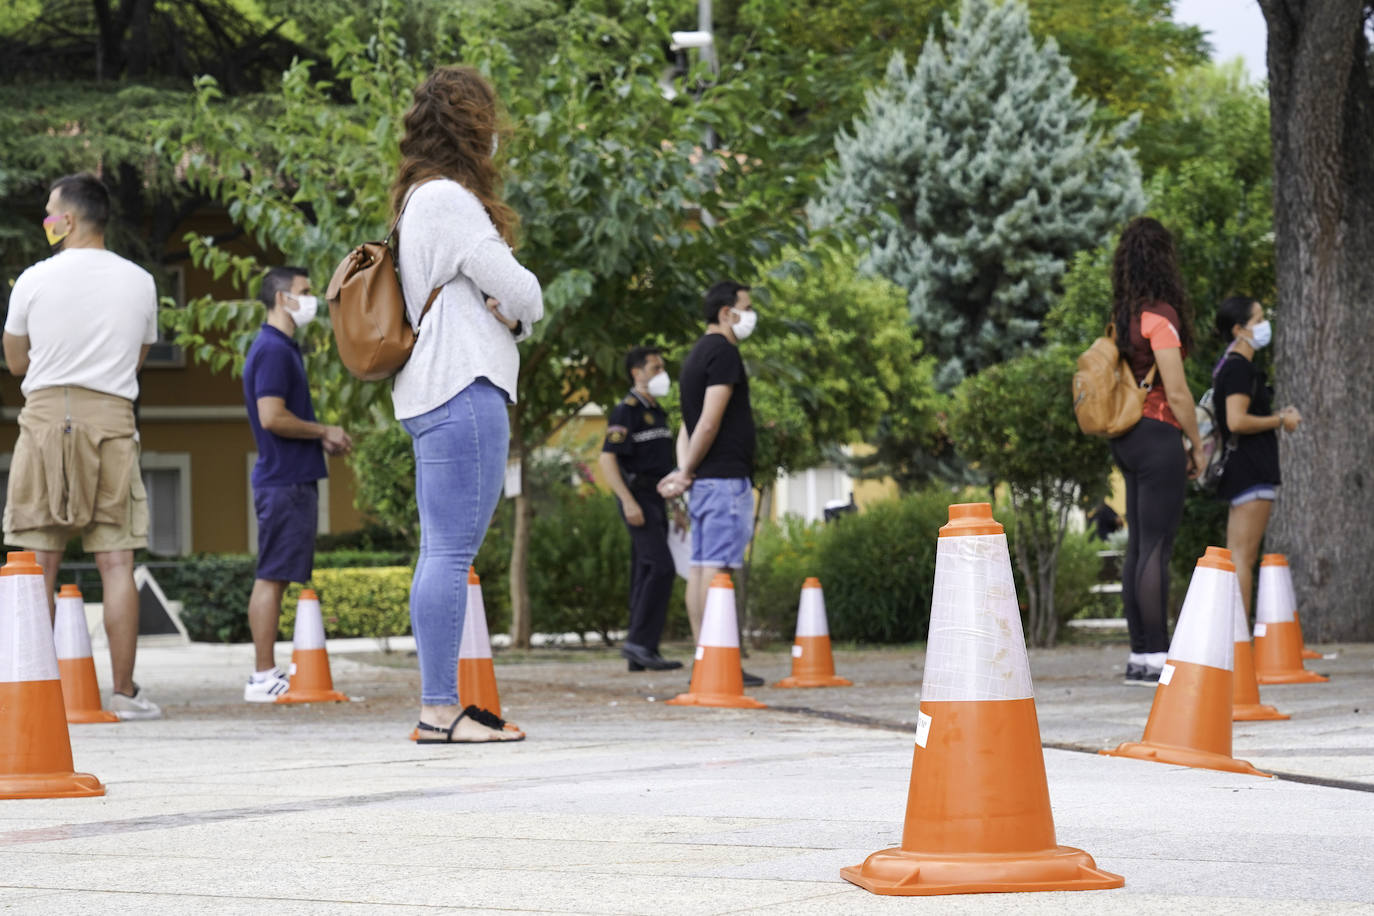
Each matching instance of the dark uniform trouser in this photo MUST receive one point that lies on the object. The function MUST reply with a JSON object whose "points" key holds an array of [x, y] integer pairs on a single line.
{"points": [[651, 572]]}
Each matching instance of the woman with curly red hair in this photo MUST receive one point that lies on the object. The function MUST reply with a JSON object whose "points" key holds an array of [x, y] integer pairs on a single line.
{"points": [[452, 394], [1154, 330]]}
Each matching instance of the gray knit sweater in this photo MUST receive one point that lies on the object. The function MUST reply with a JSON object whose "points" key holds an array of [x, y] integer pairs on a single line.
{"points": [[448, 240]]}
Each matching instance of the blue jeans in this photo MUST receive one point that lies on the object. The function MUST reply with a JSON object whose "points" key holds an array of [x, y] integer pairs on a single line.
{"points": [[722, 511], [460, 466]]}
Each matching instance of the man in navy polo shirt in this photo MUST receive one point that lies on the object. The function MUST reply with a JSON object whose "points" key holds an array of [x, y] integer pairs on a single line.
{"points": [[291, 448]]}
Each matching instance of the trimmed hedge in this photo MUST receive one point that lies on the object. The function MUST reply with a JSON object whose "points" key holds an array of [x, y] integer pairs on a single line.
{"points": [[356, 602]]}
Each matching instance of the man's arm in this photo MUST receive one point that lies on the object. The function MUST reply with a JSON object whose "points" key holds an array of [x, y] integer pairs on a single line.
{"points": [[610, 472], [699, 443], [17, 353], [274, 417]]}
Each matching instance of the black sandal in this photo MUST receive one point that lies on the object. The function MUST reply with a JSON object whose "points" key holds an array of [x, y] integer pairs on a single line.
{"points": [[480, 716]]}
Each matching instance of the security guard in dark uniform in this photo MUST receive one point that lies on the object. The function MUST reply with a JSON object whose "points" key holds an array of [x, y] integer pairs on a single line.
{"points": [[638, 452]]}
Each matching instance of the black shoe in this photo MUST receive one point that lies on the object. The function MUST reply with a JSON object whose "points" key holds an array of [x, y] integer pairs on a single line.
{"points": [[641, 658], [1141, 675], [751, 680]]}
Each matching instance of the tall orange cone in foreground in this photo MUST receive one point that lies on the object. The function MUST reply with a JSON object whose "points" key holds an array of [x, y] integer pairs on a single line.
{"points": [[35, 749], [1245, 697], [80, 690], [311, 681], [978, 816], [1278, 638], [1190, 721], [717, 678], [476, 672], [812, 663]]}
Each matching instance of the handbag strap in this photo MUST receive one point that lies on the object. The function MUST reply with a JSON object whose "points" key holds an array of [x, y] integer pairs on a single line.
{"points": [[391, 235]]}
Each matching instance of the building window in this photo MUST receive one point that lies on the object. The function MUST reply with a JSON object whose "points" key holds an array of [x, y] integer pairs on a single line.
{"points": [[321, 517], [167, 478], [165, 354]]}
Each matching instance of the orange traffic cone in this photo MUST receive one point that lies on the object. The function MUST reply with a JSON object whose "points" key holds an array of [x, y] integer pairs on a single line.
{"points": [[35, 749], [1278, 638], [311, 681], [717, 678], [80, 690], [1190, 721], [1283, 576], [812, 663], [978, 816], [1245, 698], [476, 672]]}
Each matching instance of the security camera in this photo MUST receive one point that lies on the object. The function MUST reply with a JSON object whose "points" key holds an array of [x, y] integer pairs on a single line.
{"points": [[685, 40]]}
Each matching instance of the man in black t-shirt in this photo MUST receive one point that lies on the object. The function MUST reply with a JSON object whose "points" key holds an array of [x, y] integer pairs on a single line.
{"points": [[715, 446], [637, 454]]}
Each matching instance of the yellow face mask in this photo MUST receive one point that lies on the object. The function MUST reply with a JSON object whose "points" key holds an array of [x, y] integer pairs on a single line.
{"points": [[50, 228]]}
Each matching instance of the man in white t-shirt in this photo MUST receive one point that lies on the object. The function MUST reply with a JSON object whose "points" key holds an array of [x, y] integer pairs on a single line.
{"points": [[79, 326]]}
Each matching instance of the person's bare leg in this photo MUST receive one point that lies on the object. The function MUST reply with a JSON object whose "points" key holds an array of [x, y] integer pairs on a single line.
{"points": [[121, 615], [264, 615], [698, 584], [1245, 526], [51, 561]]}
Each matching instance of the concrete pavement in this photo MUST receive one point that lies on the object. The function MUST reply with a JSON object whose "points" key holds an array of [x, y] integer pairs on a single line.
{"points": [[618, 804]]}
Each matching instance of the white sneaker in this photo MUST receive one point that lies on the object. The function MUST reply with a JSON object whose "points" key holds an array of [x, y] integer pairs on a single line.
{"points": [[266, 691], [137, 706]]}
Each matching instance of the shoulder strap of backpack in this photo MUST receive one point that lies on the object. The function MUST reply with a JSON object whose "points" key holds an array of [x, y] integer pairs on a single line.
{"points": [[391, 235]]}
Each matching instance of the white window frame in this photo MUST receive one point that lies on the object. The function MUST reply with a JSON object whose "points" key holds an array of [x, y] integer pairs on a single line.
{"points": [[177, 461], [321, 516]]}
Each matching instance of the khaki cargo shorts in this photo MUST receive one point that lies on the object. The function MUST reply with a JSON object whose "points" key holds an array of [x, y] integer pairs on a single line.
{"points": [[116, 480]]}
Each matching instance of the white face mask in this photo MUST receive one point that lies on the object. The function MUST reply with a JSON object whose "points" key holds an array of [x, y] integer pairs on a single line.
{"points": [[306, 307], [1261, 334], [745, 326], [658, 385]]}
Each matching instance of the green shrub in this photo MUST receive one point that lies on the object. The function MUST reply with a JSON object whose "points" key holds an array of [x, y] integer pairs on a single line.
{"points": [[372, 601], [579, 566], [213, 589], [784, 555]]}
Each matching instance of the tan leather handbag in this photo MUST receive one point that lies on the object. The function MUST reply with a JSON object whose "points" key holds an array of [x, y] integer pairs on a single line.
{"points": [[367, 308]]}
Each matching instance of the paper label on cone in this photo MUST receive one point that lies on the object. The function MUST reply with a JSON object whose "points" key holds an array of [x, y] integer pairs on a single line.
{"points": [[922, 729], [701, 652], [293, 669], [796, 651], [1166, 675], [1260, 630]]}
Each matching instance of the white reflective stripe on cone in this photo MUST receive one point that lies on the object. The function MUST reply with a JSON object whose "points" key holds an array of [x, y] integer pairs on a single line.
{"points": [[1241, 630], [476, 641], [26, 647], [70, 637], [718, 627], [975, 650], [811, 614], [1203, 633], [1274, 603], [309, 630]]}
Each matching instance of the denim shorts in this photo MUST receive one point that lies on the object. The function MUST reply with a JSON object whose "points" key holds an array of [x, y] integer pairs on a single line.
{"points": [[722, 510], [287, 519]]}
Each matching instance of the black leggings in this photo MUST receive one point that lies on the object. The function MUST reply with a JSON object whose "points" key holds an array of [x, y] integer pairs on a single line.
{"points": [[1155, 465]]}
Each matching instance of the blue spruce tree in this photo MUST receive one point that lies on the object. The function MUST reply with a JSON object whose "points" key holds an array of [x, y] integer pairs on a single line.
{"points": [[973, 179]]}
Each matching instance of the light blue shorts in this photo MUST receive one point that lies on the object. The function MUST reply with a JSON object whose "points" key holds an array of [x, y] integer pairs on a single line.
{"points": [[1263, 491], [722, 511]]}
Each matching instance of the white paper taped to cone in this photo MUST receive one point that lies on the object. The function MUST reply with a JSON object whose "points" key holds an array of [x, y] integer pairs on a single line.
{"points": [[975, 650], [1241, 631], [718, 623], [1203, 634], [811, 614], [26, 646], [309, 631], [1275, 601], [476, 641], [70, 637]]}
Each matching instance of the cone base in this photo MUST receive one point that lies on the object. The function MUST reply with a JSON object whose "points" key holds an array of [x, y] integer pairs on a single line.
{"points": [[90, 716], [312, 696], [1256, 712], [50, 785], [1184, 756], [817, 681], [725, 700], [899, 872], [1308, 653], [1294, 676]]}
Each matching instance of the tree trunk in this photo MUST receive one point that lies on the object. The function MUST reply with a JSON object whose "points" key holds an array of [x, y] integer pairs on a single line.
{"points": [[520, 620], [1322, 125]]}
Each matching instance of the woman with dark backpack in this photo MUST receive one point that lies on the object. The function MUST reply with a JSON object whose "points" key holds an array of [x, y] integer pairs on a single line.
{"points": [[1244, 410], [1154, 327]]}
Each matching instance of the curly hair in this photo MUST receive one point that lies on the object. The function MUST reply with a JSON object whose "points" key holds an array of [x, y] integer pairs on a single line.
{"points": [[449, 133], [1145, 270]]}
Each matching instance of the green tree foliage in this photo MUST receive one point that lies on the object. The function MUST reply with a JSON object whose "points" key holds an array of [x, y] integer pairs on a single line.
{"points": [[1015, 423], [973, 179]]}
